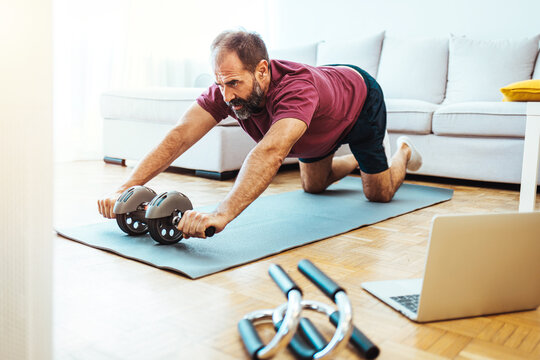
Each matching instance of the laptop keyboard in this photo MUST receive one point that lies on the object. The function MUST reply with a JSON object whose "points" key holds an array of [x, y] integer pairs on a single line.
{"points": [[409, 301]]}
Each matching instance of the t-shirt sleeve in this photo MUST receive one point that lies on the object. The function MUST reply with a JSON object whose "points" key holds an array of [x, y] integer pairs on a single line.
{"points": [[212, 101], [298, 99]]}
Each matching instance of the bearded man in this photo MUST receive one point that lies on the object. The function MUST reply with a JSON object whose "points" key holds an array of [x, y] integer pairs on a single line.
{"points": [[290, 110]]}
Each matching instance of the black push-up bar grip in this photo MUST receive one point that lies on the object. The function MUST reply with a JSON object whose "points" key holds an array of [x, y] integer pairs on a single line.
{"points": [[308, 329], [368, 349], [298, 345], [282, 280], [250, 337], [308, 341], [316, 276]]}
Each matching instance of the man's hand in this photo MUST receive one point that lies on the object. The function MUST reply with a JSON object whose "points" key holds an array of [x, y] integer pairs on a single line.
{"points": [[194, 223], [106, 204], [195, 123]]}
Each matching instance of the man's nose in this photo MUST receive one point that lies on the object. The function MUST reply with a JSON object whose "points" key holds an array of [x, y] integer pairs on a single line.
{"points": [[228, 94]]}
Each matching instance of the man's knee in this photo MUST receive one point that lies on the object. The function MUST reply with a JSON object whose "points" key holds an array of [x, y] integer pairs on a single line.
{"points": [[313, 187], [379, 195], [379, 187], [315, 175]]}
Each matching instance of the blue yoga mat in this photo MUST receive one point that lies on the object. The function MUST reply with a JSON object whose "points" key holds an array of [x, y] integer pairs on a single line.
{"points": [[270, 225]]}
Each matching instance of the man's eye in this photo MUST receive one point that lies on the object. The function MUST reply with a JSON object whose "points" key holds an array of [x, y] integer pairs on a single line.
{"points": [[233, 83]]}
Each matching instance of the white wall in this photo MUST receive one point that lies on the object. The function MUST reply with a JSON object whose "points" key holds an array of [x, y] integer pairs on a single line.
{"points": [[25, 179], [102, 44], [86, 36], [304, 21]]}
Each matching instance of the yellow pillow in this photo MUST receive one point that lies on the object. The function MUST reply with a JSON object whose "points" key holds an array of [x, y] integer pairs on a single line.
{"points": [[528, 90]]}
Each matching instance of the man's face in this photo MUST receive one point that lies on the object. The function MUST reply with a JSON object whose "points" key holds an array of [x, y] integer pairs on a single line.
{"points": [[240, 90]]}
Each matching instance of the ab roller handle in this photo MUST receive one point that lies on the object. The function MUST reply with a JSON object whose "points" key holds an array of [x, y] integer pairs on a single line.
{"points": [[209, 232]]}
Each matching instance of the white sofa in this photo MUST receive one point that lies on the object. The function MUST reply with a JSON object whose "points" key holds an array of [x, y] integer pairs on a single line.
{"points": [[442, 92]]}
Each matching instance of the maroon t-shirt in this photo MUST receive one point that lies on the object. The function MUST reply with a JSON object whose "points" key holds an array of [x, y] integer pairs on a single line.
{"points": [[328, 99]]}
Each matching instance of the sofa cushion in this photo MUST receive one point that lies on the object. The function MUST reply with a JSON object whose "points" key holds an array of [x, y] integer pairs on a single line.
{"points": [[481, 119], [409, 116], [364, 53], [155, 105], [414, 68], [477, 69], [305, 54]]}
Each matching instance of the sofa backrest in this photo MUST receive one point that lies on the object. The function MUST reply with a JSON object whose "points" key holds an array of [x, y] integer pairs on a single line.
{"points": [[363, 52], [435, 70], [477, 69], [414, 68], [536, 74], [305, 54]]}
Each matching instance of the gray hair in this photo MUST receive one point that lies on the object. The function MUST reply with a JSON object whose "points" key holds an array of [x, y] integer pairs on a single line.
{"points": [[248, 46]]}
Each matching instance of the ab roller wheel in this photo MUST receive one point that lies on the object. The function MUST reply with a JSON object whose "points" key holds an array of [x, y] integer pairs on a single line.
{"points": [[130, 209], [139, 210], [160, 214]]}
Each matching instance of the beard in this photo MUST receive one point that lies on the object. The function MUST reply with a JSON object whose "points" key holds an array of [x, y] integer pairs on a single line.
{"points": [[250, 105]]}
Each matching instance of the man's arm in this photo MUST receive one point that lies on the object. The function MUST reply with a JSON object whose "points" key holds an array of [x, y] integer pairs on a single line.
{"points": [[195, 123], [256, 173]]}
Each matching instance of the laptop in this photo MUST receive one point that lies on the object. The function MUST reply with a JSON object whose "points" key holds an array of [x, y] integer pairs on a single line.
{"points": [[476, 265]]}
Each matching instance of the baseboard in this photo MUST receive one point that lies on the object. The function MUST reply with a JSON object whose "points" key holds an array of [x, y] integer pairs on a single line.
{"points": [[465, 182], [115, 161], [226, 175]]}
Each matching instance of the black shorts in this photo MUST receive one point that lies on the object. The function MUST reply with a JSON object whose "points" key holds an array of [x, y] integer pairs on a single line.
{"points": [[366, 137]]}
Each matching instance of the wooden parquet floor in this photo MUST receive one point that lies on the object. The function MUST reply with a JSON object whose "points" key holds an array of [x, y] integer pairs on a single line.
{"points": [[108, 307]]}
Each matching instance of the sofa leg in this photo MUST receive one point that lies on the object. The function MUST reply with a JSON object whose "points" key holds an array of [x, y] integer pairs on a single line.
{"points": [[226, 175], [115, 161]]}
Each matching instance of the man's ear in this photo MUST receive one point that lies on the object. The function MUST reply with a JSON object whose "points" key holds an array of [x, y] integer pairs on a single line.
{"points": [[262, 69]]}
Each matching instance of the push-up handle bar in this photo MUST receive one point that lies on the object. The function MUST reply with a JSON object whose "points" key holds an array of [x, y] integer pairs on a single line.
{"points": [[253, 343]]}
